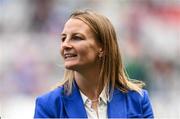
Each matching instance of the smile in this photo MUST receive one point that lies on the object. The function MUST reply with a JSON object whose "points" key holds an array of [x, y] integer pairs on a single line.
{"points": [[69, 56]]}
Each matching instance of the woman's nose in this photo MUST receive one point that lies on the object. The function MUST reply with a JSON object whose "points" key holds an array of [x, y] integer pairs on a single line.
{"points": [[66, 44]]}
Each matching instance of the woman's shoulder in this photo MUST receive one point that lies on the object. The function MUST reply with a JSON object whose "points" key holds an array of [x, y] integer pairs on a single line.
{"points": [[53, 94], [141, 97], [134, 96], [138, 95], [140, 101], [49, 104]]}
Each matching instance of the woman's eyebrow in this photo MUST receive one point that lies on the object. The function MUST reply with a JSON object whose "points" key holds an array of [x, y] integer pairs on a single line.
{"points": [[77, 34], [62, 34]]}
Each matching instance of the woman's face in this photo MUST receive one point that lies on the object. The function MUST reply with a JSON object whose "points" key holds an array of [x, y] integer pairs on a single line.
{"points": [[79, 47]]}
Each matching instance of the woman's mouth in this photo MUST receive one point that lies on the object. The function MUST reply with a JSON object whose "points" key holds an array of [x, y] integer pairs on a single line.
{"points": [[69, 56]]}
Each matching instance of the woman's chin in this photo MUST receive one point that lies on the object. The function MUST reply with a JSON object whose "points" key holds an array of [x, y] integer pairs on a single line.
{"points": [[70, 67]]}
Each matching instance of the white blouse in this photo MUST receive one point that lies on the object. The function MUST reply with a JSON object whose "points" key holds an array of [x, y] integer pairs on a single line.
{"points": [[102, 106]]}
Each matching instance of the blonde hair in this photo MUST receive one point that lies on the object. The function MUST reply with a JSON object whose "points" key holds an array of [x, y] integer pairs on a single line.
{"points": [[112, 72]]}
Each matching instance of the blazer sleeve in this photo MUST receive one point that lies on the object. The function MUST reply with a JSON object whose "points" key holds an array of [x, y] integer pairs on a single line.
{"points": [[40, 109], [146, 106], [48, 105]]}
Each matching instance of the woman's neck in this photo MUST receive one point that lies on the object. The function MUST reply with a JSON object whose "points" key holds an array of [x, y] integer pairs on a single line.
{"points": [[88, 83]]}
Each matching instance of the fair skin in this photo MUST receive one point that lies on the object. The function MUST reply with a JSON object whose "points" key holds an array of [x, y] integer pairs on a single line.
{"points": [[79, 49]]}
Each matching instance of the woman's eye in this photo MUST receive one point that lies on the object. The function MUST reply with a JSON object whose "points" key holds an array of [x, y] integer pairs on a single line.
{"points": [[77, 38], [63, 39]]}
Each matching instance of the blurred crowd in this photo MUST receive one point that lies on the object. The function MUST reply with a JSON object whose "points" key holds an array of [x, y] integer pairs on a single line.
{"points": [[149, 38]]}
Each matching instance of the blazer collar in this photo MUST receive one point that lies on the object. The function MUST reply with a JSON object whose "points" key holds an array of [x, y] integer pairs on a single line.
{"points": [[74, 104], [75, 108], [117, 106]]}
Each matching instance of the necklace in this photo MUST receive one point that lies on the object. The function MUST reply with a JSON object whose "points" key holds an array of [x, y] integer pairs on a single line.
{"points": [[95, 100]]}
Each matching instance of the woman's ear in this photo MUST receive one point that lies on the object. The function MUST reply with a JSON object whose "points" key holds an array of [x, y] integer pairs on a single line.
{"points": [[100, 52], [100, 49]]}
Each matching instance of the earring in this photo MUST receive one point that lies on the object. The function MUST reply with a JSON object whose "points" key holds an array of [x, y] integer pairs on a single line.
{"points": [[100, 54]]}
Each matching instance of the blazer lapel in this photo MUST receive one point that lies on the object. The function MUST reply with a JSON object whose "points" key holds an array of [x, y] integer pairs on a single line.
{"points": [[117, 105], [74, 104]]}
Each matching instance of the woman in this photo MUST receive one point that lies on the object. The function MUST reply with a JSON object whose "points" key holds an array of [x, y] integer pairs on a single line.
{"points": [[95, 84]]}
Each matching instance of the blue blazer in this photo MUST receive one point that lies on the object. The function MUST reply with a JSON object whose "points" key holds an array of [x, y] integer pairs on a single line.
{"points": [[56, 104]]}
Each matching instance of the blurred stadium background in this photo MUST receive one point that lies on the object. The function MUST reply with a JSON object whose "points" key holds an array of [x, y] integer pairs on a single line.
{"points": [[30, 63]]}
